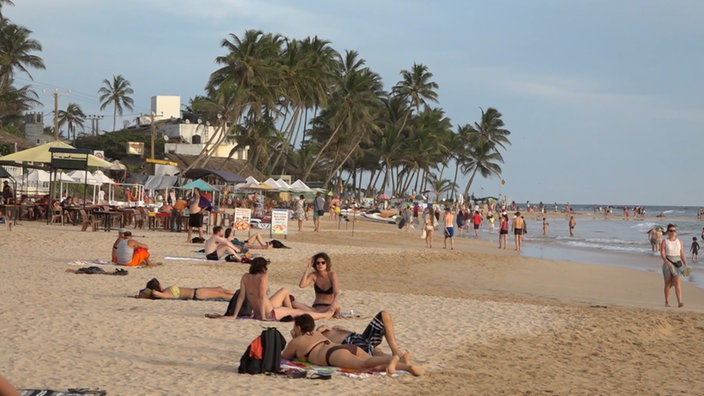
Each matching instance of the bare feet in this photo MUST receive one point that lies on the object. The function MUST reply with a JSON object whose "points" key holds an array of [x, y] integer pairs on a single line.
{"points": [[406, 357], [680, 305], [391, 368], [417, 370]]}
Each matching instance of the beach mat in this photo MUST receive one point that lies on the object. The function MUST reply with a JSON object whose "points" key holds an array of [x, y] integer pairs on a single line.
{"points": [[69, 392], [291, 366]]}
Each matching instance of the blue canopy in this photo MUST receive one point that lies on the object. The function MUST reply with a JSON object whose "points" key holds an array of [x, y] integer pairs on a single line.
{"points": [[199, 184]]}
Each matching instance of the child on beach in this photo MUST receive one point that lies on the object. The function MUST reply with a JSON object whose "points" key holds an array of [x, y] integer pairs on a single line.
{"points": [[694, 249]]}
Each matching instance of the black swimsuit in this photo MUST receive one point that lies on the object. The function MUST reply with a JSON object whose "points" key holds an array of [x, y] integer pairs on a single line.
{"points": [[326, 342]]}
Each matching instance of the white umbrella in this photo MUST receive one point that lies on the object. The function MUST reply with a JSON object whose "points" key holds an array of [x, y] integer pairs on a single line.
{"points": [[38, 175], [102, 178], [80, 176]]}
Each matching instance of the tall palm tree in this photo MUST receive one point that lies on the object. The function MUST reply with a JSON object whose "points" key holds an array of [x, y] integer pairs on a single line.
{"points": [[483, 141], [116, 93], [16, 49], [416, 86], [482, 158], [353, 105], [73, 117], [15, 101]]}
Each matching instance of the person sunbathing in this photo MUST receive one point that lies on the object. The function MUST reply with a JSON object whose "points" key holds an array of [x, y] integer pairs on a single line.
{"points": [[310, 345], [253, 287], [155, 291], [253, 242], [381, 326]]}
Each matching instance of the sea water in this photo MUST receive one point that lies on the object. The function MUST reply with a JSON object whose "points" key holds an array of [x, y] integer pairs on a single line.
{"points": [[611, 240]]}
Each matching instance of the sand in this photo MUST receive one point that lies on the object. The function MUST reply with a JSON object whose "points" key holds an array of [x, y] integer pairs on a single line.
{"points": [[480, 320]]}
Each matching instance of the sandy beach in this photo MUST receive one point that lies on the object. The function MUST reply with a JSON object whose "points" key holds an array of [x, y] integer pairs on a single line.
{"points": [[480, 320]]}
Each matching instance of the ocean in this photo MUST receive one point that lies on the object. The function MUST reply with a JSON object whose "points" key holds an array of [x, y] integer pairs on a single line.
{"points": [[611, 240]]}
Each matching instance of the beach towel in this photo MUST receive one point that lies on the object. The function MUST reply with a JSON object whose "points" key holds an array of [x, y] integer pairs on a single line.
{"points": [[289, 367], [69, 392]]}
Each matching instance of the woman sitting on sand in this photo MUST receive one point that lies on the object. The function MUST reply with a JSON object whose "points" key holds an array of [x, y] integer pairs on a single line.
{"points": [[253, 287], [310, 345], [324, 283], [155, 291]]}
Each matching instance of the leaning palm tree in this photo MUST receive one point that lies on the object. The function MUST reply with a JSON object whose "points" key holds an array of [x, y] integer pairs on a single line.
{"points": [[116, 93], [482, 158], [73, 117], [15, 101], [16, 49]]}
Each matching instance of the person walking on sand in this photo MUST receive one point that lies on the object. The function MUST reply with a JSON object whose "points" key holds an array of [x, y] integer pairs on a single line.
{"points": [[518, 226], [318, 210], [674, 264], [300, 212], [503, 230], [429, 228], [694, 249], [572, 223], [449, 228]]}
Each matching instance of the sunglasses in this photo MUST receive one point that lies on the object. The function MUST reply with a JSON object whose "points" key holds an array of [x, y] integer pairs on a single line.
{"points": [[320, 262], [671, 230]]}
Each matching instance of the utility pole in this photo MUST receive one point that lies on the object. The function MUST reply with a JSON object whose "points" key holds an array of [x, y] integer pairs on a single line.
{"points": [[152, 129], [56, 95], [94, 126]]}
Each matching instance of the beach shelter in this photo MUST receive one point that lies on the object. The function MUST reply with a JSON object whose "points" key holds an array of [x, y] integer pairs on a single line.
{"points": [[299, 186], [102, 178], [199, 184], [41, 154]]}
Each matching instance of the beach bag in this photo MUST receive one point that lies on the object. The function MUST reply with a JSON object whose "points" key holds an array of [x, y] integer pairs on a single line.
{"points": [[321, 212], [197, 240], [401, 223], [263, 355], [245, 309]]}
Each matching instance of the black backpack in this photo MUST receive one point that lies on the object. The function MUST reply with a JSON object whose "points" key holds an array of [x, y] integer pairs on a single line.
{"points": [[245, 309], [270, 343]]}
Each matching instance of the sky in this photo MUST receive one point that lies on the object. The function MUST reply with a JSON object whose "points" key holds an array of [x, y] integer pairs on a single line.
{"points": [[604, 99]]}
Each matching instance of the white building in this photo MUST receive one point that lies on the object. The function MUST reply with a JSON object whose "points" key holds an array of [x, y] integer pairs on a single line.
{"points": [[185, 137]]}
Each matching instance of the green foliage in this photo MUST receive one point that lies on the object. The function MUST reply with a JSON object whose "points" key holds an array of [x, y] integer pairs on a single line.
{"points": [[115, 143]]}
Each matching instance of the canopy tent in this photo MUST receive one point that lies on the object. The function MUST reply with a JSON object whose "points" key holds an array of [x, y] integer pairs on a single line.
{"points": [[102, 178], [227, 177], [299, 186], [41, 154], [38, 175], [282, 183], [276, 185], [199, 184], [160, 182], [80, 176]]}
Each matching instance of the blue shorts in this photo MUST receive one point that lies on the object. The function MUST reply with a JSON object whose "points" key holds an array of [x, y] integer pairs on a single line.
{"points": [[449, 232]]}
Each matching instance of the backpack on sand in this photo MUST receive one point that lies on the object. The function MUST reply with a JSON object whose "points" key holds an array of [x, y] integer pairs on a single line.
{"points": [[263, 355]]}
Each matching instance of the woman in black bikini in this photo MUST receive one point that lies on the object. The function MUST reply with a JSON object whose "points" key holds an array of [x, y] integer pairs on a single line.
{"points": [[310, 345], [324, 283]]}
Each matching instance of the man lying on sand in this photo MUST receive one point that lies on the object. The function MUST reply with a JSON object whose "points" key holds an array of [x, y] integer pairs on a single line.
{"points": [[380, 327], [310, 345]]}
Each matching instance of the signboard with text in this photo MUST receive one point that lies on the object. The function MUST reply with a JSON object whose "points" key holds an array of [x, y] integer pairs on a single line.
{"points": [[279, 222], [242, 217]]}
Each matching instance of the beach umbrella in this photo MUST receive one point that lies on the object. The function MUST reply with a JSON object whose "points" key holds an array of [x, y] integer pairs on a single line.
{"points": [[383, 196], [102, 178]]}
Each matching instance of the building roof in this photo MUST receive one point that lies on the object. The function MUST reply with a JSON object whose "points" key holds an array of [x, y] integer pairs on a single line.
{"points": [[233, 166]]}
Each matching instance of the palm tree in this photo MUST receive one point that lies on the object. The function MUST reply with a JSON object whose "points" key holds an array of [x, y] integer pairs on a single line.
{"points": [[416, 86], [482, 158], [74, 117], [16, 49], [15, 101], [353, 105], [483, 141], [116, 93]]}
